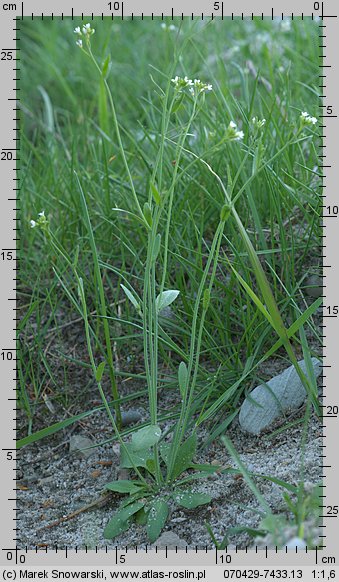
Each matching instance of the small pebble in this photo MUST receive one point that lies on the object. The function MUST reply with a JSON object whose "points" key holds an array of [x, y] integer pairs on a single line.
{"points": [[130, 417], [313, 286], [170, 540], [80, 444]]}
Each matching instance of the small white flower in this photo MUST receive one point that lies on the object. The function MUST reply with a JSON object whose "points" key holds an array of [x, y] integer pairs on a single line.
{"points": [[188, 81], [77, 31], [201, 87], [232, 133], [163, 25], [195, 87], [79, 43], [172, 28], [41, 222], [258, 123], [181, 83], [87, 31]]}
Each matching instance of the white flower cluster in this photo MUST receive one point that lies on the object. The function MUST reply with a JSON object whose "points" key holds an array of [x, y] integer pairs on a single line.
{"points": [[200, 87], [233, 133], [258, 123], [180, 83], [41, 221], [306, 119], [86, 31], [195, 87]]}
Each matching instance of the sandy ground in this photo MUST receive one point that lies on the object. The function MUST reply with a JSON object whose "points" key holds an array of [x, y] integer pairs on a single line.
{"points": [[54, 483]]}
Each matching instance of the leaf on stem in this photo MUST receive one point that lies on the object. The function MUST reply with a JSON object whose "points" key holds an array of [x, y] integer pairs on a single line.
{"points": [[131, 297], [155, 193], [99, 371], [145, 437], [165, 299]]}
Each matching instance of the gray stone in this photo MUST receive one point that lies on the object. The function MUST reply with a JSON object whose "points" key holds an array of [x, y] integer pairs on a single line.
{"points": [[79, 444], [313, 286], [130, 417], [270, 401], [170, 540]]}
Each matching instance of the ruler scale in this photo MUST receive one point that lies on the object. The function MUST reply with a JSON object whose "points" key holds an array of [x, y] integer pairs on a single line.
{"points": [[313, 564]]}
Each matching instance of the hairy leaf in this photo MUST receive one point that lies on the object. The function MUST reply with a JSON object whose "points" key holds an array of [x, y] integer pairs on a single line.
{"points": [[165, 299], [145, 437], [156, 520], [191, 500]]}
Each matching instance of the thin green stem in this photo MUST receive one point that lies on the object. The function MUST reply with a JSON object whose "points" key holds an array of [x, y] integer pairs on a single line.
{"points": [[194, 354], [117, 131]]}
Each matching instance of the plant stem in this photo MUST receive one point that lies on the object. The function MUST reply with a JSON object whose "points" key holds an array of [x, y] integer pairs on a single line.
{"points": [[117, 131], [194, 353]]}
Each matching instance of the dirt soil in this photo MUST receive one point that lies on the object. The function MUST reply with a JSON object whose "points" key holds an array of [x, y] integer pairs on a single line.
{"points": [[54, 483]]}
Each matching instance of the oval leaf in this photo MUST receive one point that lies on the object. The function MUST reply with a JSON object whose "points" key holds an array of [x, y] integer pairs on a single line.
{"points": [[191, 500], [145, 437], [165, 299], [156, 520]]}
